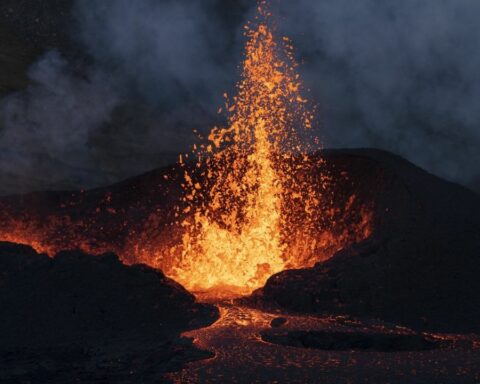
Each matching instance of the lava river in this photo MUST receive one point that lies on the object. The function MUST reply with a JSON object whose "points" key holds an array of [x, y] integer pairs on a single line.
{"points": [[242, 356]]}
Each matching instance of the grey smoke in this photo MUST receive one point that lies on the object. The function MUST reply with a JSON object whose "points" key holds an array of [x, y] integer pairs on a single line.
{"points": [[156, 70], [166, 50], [52, 120], [399, 75]]}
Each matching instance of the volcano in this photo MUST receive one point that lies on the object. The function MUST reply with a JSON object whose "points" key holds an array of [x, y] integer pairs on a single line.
{"points": [[258, 257], [414, 269]]}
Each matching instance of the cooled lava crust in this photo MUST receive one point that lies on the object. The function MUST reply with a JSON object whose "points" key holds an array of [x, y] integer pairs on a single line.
{"points": [[81, 317]]}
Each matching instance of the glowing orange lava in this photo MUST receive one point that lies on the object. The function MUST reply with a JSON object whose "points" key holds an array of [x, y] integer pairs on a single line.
{"points": [[240, 215]]}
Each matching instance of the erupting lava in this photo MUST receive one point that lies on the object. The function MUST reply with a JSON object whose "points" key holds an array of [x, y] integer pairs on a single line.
{"points": [[242, 210], [257, 200]]}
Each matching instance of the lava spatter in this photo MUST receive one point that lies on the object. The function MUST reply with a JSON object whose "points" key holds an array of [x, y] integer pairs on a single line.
{"points": [[241, 214]]}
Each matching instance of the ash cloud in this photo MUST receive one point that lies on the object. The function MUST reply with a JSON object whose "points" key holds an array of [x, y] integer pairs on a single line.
{"points": [[395, 75]]}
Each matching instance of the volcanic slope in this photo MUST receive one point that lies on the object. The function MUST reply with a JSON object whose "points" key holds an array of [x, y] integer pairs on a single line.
{"points": [[421, 265]]}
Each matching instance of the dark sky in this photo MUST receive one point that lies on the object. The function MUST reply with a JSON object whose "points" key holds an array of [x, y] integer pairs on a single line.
{"points": [[115, 87]]}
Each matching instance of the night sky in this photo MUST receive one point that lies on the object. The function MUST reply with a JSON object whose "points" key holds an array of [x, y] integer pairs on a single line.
{"points": [[97, 91]]}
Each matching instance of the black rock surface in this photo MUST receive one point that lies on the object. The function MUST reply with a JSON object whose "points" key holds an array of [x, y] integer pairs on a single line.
{"points": [[350, 341], [83, 313], [420, 267]]}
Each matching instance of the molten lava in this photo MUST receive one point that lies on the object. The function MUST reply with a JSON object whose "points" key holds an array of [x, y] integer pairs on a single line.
{"points": [[240, 220]]}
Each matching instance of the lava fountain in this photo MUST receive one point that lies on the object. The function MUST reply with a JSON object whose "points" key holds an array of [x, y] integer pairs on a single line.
{"points": [[241, 211], [258, 197]]}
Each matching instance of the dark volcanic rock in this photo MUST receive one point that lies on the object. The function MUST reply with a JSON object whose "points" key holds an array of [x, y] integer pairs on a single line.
{"points": [[346, 341], [79, 309], [278, 322], [421, 265]]}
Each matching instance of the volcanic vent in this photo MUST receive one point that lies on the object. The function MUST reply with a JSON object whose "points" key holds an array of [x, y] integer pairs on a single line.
{"points": [[251, 200]]}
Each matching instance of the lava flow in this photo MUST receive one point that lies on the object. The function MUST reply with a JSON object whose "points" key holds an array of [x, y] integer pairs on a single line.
{"points": [[257, 199], [249, 349]]}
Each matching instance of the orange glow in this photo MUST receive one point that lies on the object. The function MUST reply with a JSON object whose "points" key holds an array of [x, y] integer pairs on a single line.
{"points": [[242, 216]]}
